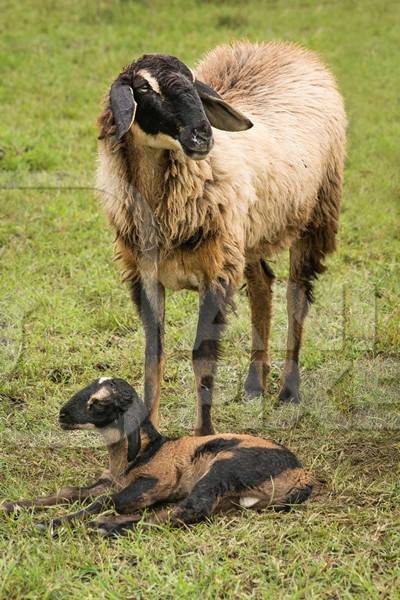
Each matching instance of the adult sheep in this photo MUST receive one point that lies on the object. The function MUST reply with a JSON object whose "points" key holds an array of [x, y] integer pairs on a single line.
{"points": [[196, 208]]}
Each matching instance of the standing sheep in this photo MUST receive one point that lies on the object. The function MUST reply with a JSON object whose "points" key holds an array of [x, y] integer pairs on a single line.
{"points": [[196, 208]]}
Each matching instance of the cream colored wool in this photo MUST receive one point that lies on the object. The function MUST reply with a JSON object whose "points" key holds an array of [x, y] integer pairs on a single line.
{"points": [[255, 192]]}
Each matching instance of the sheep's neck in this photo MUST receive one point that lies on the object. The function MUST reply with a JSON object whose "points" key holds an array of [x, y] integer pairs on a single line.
{"points": [[148, 170], [166, 203]]}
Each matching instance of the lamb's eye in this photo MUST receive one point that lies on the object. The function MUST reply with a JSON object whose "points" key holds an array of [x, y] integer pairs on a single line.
{"points": [[97, 407]]}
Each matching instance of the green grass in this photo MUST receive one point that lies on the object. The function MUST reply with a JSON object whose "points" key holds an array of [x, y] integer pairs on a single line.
{"points": [[65, 318]]}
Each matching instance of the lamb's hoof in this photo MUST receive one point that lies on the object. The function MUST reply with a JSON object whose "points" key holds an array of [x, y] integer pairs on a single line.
{"points": [[111, 530], [110, 526], [51, 526], [289, 395], [98, 527], [9, 508]]}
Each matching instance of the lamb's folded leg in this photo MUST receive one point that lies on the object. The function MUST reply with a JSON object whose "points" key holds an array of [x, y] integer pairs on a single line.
{"points": [[197, 506], [62, 496], [141, 493], [96, 507]]}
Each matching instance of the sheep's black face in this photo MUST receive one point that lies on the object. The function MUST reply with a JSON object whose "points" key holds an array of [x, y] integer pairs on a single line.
{"points": [[166, 107], [100, 404], [169, 112]]}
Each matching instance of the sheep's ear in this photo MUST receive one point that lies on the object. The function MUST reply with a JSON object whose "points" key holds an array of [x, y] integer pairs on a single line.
{"points": [[123, 106], [132, 430], [220, 114]]}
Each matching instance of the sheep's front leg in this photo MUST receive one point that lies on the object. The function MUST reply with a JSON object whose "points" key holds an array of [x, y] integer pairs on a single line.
{"points": [[63, 495], [149, 298], [259, 278], [211, 323]]}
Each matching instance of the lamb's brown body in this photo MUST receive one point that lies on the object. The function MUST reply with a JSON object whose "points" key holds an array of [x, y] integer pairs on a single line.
{"points": [[204, 225], [181, 463], [196, 476]]}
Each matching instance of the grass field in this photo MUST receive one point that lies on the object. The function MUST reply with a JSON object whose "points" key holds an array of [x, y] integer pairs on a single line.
{"points": [[65, 318]]}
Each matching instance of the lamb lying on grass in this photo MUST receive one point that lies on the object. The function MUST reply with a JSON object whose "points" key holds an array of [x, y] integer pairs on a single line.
{"points": [[196, 476]]}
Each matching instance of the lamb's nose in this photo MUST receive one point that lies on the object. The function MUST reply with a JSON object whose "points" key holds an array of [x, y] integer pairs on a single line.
{"points": [[63, 415]]}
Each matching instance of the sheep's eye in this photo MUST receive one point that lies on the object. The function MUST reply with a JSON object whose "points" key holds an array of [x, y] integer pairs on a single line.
{"points": [[144, 89]]}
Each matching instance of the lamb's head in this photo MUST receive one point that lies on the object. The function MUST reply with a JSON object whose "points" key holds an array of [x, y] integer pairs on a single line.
{"points": [[109, 405], [159, 99]]}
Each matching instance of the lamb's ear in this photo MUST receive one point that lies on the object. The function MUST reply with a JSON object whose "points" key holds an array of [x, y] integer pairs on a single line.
{"points": [[123, 106], [220, 114], [132, 430]]}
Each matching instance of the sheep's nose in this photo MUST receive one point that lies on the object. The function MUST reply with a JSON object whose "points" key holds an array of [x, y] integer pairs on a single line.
{"points": [[196, 141], [202, 134]]}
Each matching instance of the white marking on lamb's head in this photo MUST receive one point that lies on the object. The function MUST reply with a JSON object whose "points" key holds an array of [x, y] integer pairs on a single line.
{"points": [[102, 403], [103, 393], [159, 100]]}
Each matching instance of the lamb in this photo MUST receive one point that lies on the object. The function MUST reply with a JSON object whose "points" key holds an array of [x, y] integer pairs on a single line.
{"points": [[199, 476], [204, 176]]}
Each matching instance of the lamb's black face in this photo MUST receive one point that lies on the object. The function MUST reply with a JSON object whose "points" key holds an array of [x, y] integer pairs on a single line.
{"points": [[160, 100], [99, 405]]}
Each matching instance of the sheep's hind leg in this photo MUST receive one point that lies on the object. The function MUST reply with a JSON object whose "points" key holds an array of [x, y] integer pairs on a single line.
{"points": [[306, 255], [211, 323], [259, 279]]}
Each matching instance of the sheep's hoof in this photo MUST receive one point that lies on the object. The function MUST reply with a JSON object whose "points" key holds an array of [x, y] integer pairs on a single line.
{"points": [[99, 527], [255, 383], [289, 395], [252, 389]]}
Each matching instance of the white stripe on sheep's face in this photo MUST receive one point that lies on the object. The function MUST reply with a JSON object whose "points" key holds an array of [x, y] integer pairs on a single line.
{"points": [[158, 99]]}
